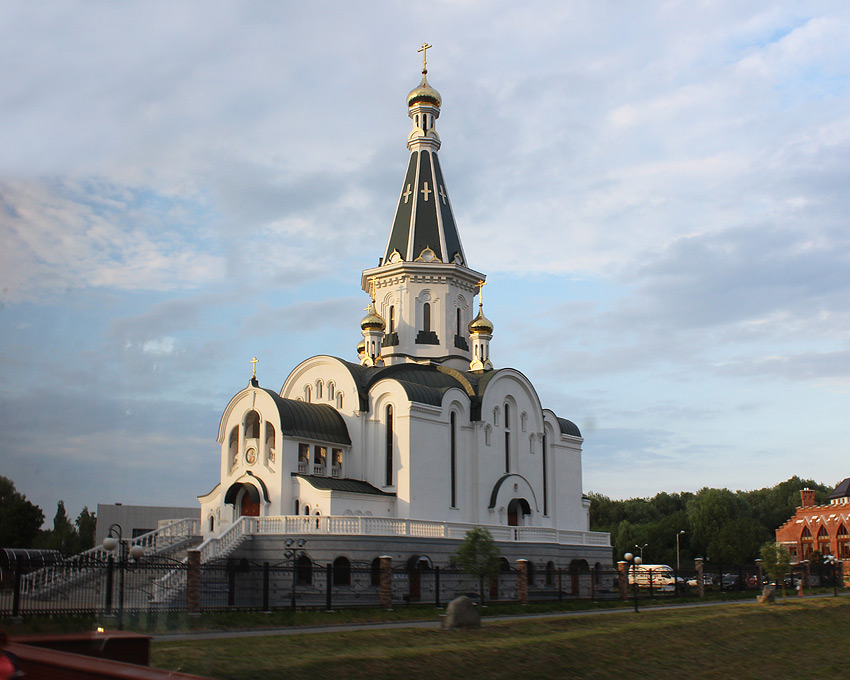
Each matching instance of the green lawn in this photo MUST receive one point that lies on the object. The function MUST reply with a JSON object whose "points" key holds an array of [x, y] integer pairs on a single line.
{"points": [[802, 638]]}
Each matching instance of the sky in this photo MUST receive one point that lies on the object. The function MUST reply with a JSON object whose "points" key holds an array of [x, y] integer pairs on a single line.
{"points": [[657, 192]]}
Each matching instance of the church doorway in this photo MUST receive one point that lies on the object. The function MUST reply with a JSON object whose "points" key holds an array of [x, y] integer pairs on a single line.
{"points": [[577, 568], [245, 498], [518, 510], [415, 566]]}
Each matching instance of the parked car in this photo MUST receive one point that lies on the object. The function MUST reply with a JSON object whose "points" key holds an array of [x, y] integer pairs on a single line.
{"points": [[707, 580], [730, 580], [660, 576]]}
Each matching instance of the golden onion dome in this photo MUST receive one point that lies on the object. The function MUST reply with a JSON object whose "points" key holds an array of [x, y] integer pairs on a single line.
{"points": [[481, 324], [372, 321], [424, 93], [361, 347]]}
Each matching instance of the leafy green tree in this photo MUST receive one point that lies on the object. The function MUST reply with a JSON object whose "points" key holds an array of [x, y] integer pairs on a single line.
{"points": [[20, 520], [775, 559], [723, 527], [63, 537], [478, 556], [86, 524]]}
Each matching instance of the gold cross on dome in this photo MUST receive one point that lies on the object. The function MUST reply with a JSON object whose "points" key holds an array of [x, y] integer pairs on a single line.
{"points": [[424, 49], [254, 366], [426, 191], [481, 285]]}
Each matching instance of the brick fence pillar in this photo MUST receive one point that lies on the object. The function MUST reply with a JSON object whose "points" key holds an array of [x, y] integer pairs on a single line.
{"points": [[700, 565], [386, 581], [623, 579], [193, 581], [522, 581]]}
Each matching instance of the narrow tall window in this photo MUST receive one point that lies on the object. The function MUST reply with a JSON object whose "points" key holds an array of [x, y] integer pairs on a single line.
{"points": [[392, 319], [545, 478], [426, 317], [453, 458], [507, 438], [459, 331], [389, 451]]}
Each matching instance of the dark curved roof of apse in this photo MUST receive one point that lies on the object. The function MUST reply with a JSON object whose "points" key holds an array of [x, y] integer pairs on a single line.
{"points": [[310, 421]]}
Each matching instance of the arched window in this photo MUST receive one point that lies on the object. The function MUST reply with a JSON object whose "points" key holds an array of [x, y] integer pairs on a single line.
{"points": [[459, 326], [331, 387], [453, 457], [550, 573], [297, 506], [318, 389], [304, 570], [806, 540], [543, 455], [391, 325], [306, 509], [843, 543], [823, 541], [308, 393], [507, 437], [530, 572], [212, 523], [252, 425], [342, 572], [376, 572], [339, 400], [389, 447], [270, 441], [426, 317], [233, 446]]}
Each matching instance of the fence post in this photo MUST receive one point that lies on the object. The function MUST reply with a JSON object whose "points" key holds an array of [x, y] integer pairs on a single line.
{"points": [[386, 581], [193, 582], [266, 587], [560, 587], [110, 569], [522, 581], [437, 587], [329, 581], [623, 579], [16, 601], [700, 565]]}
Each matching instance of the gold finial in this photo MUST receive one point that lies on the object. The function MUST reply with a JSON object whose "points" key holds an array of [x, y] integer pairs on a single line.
{"points": [[254, 366], [424, 49]]}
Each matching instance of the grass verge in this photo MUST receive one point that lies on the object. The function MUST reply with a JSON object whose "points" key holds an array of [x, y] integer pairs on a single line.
{"points": [[746, 641]]}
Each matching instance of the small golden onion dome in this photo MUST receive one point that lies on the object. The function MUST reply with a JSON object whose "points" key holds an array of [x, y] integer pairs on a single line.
{"points": [[361, 347], [481, 324], [372, 321], [424, 93]]}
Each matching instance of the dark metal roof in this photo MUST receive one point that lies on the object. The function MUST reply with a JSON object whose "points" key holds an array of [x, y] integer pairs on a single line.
{"points": [[841, 491], [424, 218], [569, 427], [347, 485], [310, 421]]}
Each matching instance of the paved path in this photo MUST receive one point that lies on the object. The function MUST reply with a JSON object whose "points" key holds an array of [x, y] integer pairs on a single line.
{"points": [[385, 625]]}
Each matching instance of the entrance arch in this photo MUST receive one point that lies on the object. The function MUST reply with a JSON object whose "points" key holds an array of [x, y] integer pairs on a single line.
{"points": [[245, 499], [518, 510]]}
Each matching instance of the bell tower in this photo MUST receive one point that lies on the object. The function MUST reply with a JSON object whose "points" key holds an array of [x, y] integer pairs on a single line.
{"points": [[423, 288]]}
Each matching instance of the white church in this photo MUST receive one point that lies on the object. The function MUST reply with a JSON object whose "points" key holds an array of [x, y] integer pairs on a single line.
{"points": [[421, 438]]}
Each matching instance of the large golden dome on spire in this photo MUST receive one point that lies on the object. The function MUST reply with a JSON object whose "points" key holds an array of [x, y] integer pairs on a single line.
{"points": [[424, 93], [481, 324]]}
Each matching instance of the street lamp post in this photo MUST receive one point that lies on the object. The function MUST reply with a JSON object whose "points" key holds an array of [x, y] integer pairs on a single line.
{"points": [[641, 547], [634, 561], [833, 563], [115, 541], [678, 564]]}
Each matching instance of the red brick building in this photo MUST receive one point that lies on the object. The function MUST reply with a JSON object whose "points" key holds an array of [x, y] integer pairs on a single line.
{"points": [[821, 528]]}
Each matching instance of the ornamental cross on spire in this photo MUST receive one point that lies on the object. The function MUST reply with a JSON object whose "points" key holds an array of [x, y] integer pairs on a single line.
{"points": [[481, 285], [424, 49], [254, 366]]}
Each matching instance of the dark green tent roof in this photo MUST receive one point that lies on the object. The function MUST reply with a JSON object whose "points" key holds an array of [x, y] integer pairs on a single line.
{"points": [[311, 421], [348, 485]]}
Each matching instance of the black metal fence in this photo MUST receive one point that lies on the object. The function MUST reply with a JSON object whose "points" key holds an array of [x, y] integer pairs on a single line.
{"points": [[115, 587]]}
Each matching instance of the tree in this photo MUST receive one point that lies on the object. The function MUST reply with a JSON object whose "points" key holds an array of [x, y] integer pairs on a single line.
{"points": [[776, 559], [478, 556], [86, 524], [63, 537], [20, 520]]}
